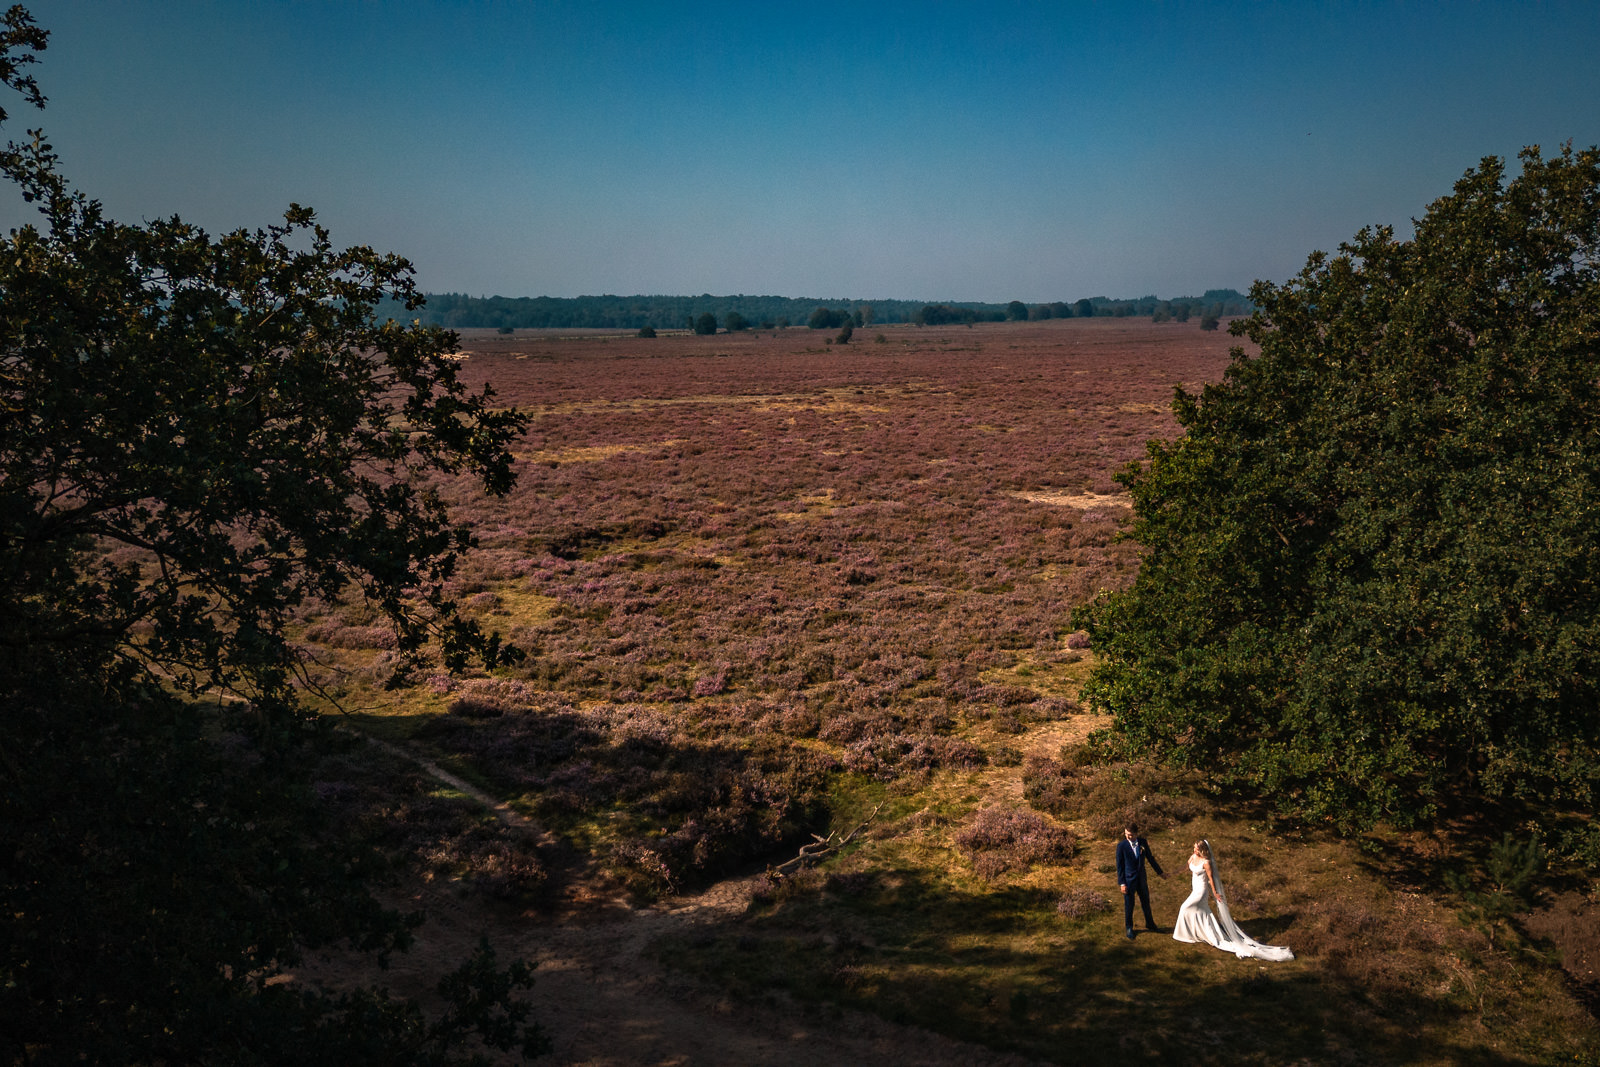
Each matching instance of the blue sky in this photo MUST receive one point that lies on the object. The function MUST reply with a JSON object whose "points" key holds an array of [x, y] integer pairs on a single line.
{"points": [[923, 151]]}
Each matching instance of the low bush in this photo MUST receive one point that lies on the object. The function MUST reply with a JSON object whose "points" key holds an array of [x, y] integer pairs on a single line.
{"points": [[999, 840], [1106, 796], [1080, 903], [698, 805]]}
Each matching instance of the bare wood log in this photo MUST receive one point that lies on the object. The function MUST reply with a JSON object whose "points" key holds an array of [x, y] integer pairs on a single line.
{"points": [[820, 847]]}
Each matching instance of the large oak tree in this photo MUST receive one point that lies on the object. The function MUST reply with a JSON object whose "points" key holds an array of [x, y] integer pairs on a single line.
{"points": [[199, 435], [1370, 577]]}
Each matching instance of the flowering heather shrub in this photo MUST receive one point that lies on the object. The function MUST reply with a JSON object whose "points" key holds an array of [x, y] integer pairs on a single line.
{"points": [[887, 756], [805, 882], [1109, 796], [1006, 696], [1080, 903], [1007, 722], [998, 840], [843, 530], [484, 698], [395, 805], [710, 803], [503, 862], [1357, 940], [1051, 709], [644, 868], [1005, 755], [708, 685], [335, 634], [1078, 640]]}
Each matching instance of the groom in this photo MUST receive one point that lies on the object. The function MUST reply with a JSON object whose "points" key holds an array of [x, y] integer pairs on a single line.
{"points": [[1132, 851]]}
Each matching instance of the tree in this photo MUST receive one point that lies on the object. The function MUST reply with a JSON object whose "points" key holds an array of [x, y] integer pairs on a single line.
{"points": [[1508, 887], [1370, 563], [200, 437], [844, 334], [706, 324], [733, 322], [1083, 309], [826, 319], [1017, 311]]}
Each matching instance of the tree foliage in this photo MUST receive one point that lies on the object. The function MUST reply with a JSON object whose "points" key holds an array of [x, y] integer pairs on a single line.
{"points": [[827, 318], [1370, 565], [200, 437], [1507, 888], [460, 311]]}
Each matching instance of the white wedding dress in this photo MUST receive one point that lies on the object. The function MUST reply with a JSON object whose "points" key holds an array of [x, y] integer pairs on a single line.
{"points": [[1196, 923]]}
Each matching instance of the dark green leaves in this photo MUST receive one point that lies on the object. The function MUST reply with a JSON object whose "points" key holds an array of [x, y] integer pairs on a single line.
{"points": [[1371, 564], [198, 436], [228, 416]]}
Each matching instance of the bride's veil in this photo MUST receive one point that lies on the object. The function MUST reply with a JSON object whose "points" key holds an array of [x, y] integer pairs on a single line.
{"points": [[1230, 929]]}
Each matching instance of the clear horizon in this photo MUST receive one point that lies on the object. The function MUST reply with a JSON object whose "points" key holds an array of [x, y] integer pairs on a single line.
{"points": [[949, 153]]}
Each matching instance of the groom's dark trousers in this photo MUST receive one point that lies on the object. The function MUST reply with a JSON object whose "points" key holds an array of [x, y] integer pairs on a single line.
{"points": [[1130, 872]]}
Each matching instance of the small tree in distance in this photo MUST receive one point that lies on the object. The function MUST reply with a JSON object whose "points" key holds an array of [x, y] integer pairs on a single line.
{"points": [[706, 324]]}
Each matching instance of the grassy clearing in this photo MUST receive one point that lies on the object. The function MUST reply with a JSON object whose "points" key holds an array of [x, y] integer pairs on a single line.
{"points": [[902, 927]]}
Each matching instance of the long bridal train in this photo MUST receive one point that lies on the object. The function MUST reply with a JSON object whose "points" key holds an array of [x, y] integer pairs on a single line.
{"points": [[1197, 924]]}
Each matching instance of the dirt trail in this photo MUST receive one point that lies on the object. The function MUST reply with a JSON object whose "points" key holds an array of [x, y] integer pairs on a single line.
{"points": [[606, 1003]]}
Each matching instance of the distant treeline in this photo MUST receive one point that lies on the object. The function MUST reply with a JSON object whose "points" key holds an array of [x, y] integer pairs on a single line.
{"points": [[459, 311]]}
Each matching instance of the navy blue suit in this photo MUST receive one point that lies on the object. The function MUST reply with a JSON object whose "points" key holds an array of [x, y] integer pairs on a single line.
{"points": [[1130, 873]]}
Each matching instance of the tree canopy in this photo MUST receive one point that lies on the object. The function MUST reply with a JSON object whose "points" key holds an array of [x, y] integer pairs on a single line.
{"points": [[201, 436], [1370, 566]]}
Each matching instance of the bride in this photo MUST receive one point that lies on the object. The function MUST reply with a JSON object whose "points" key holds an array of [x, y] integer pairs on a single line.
{"points": [[1196, 923]]}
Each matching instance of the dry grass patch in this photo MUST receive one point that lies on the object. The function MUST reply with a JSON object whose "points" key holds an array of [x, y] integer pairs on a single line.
{"points": [[594, 453], [1081, 501]]}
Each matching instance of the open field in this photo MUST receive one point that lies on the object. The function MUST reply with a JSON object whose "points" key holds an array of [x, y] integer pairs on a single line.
{"points": [[772, 587]]}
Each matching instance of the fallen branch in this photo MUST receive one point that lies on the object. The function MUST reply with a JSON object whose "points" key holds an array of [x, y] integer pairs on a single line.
{"points": [[819, 847]]}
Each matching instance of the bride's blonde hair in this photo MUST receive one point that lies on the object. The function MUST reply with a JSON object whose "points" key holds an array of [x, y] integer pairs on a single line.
{"points": [[1204, 846]]}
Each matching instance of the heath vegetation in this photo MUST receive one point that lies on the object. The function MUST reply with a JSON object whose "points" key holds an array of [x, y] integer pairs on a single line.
{"points": [[634, 616]]}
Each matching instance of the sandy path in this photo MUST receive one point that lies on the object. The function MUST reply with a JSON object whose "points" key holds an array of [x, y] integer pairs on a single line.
{"points": [[606, 1003]]}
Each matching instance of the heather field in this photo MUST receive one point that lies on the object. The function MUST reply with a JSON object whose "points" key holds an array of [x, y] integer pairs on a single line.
{"points": [[770, 588]]}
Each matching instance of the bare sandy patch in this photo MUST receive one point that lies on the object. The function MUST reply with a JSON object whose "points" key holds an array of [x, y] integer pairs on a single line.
{"points": [[819, 504], [1081, 501], [594, 453]]}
